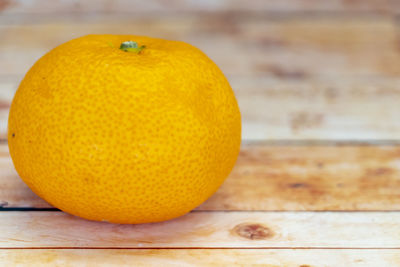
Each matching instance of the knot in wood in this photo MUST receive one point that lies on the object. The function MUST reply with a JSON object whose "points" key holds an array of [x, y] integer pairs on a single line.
{"points": [[253, 231]]}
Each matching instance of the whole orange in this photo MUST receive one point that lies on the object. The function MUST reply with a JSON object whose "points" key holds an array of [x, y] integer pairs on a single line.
{"points": [[133, 133]]}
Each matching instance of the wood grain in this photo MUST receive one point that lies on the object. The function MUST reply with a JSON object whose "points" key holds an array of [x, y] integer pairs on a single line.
{"points": [[201, 257], [206, 230], [275, 6], [273, 178], [302, 70], [324, 109], [248, 46]]}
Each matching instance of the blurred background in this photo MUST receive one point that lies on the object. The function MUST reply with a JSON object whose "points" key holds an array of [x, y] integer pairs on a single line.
{"points": [[302, 70]]}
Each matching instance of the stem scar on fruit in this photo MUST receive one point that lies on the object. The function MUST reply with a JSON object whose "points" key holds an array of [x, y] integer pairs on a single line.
{"points": [[131, 46]]}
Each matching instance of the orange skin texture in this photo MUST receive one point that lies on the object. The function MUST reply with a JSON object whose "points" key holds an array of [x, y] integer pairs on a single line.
{"points": [[124, 137]]}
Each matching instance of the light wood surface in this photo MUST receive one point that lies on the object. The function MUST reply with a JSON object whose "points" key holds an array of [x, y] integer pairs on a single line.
{"points": [[168, 7], [201, 257], [317, 182], [246, 46], [206, 229]]}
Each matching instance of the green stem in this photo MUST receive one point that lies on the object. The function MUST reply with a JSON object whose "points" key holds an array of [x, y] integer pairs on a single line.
{"points": [[131, 46]]}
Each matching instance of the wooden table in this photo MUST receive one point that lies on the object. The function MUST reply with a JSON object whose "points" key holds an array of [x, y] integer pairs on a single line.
{"points": [[317, 182]]}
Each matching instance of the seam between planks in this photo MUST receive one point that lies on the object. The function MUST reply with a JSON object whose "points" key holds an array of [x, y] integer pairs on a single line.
{"points": [[29, 209], [275, 15], [194, 248], [322, 142], [308, 142]]}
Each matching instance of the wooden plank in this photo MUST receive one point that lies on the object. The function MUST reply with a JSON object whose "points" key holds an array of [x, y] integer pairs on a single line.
{"points": [[201, 257], [310, 109], [325, 109], [273, 178], [312, 178], [206, 230], [290, 48], [58, 6], [7, 90]]}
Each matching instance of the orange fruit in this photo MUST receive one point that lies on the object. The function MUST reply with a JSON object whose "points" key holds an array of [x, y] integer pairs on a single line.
{"points": [[140, 133]]}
